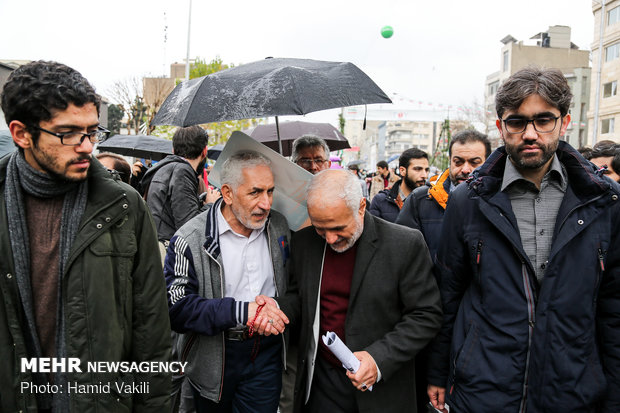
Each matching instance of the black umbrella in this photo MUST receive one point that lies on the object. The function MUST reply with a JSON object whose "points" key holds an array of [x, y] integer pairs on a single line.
{"points": [[269, 87], [138, 146], [214, 152], [289, 131]]}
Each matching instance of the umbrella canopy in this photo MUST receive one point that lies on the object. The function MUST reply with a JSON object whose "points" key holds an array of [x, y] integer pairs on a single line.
{"points": [[393, 157], [138, 146], [214, 152], [269, 87], [289, 131]]}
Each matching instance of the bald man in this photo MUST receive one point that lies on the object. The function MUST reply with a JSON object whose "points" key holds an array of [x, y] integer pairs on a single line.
{"points": [[352, 276]]}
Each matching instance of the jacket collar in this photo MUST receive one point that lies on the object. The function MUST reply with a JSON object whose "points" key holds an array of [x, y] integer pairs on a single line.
{"points": [[441, 189]]}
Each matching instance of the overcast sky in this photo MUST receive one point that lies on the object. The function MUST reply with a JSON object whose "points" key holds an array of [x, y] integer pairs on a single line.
{"points": [[441, 51]]}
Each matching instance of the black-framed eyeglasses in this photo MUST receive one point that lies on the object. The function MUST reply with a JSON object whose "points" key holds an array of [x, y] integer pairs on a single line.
{"points": [[307, 163], [76, 138], [543, 124]]}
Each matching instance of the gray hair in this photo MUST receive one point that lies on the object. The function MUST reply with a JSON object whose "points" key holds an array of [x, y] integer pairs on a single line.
{"points": [[308, 141], [331, 185], [232, 168], [549, 84]]}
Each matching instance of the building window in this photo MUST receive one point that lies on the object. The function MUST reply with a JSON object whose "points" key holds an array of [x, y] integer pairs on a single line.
{"points": [[613, 16], [493, 88], [610, 89], [612, 52], [607, 126], [505, 67]]}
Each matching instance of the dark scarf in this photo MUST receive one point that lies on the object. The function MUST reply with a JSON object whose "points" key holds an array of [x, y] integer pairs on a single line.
{"points": [[22, 177]]}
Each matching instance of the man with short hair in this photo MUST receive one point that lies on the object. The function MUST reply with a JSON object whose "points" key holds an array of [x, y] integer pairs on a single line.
{"points": [[311, 153], [529, 262], [217, 265], [79, 279], [354, 277], [424, 209], [384, 179], [413, 167], [172, 184], [607, 157]]}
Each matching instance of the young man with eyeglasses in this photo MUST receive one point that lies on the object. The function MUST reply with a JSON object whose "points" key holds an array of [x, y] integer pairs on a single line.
{"points": [[529, 268], [311, 153], [79, 277]]}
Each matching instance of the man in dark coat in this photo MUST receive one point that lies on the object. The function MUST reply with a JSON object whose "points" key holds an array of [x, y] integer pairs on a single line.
{"points": [[172, 184], [530, 269], [370, 282], [424, 209], [79, 278], [413, 167]]}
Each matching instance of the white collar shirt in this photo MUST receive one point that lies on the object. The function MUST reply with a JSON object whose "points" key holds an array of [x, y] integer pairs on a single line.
{"points": [[248, 270]]}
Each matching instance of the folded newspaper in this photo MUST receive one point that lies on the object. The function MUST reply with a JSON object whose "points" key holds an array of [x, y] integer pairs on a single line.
{"points": [[342, 352]]}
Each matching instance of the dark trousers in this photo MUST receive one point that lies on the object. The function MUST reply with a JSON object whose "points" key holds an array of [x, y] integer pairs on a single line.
{"points": [[249, 386], [332, 391]]}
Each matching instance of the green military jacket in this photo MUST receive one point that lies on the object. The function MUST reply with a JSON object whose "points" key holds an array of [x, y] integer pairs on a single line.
{"points": [[114, 299]]}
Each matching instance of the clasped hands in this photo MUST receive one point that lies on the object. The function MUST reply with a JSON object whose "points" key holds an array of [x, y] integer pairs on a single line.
{"points": [[270, 320]]}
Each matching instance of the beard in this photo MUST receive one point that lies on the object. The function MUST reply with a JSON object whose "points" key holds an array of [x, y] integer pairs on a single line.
{"points": [[348, 243], [411, 184], [246, 218], [531, 161]]}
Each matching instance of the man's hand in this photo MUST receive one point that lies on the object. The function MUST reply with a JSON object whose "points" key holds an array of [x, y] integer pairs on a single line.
{"points": [[437, 396], [271, 319], [136, 168], [213, 194], [366, 375]]}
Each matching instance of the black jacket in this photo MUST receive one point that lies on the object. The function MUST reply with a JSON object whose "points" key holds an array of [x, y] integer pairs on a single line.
{"points": [[172, 194], [507, 343], [384, 206], [423, 211]]}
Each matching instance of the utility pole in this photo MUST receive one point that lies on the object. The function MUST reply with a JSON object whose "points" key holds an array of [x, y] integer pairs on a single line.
{"points": [[189, 31]]}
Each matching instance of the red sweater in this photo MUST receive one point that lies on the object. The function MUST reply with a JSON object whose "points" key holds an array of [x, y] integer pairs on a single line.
{"points": [[335, 289]]}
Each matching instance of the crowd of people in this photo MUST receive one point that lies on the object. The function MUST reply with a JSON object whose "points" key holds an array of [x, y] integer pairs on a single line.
{"points": [[492, 286]]}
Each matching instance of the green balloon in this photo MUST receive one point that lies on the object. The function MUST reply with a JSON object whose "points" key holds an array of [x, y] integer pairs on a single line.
{"points": [[387, 32]]}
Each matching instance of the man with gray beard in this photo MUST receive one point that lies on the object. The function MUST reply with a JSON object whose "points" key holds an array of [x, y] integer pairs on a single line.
{"points": [[370, 282]]}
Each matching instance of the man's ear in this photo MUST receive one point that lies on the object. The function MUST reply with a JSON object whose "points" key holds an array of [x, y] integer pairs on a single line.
{"points": [[402, 170], [20, 134], [227, 194], [362, 208]]}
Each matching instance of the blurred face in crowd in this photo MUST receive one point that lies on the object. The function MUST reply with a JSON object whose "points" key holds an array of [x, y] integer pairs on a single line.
{"points": [[382, 171], [534, 147], [250, 202], [606, 161], [416, 174], [47, 153], [464, 159], [337, 223], [313, 159]]}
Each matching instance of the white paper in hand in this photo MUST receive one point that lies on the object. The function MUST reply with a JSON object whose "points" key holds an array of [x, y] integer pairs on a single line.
{"points": [[342, 352]]}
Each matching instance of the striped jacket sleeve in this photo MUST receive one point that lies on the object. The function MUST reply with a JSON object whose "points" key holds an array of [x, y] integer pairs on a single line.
{"points": [[190, 312]]}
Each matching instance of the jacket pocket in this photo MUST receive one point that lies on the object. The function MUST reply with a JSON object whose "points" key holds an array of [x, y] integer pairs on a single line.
{"points": [[462, 359]]}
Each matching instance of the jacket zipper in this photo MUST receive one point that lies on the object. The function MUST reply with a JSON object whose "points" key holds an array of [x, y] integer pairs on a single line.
{"points": [[531, 315], [222, 335], [275, 284]]}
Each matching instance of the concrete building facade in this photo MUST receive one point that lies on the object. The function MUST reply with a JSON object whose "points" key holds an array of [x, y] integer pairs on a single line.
{"points": [[604, 99], [550, 49]]}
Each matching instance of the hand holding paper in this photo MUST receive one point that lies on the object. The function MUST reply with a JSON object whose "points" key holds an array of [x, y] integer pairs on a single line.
{"points": [[360, 373]]}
